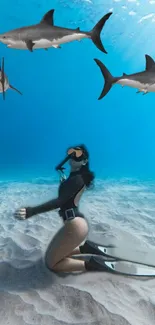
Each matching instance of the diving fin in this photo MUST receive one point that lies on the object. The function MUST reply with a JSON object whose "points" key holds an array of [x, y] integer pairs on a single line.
{"points": [[120, 250], [95, 265], [116, 266], [91, 248]]}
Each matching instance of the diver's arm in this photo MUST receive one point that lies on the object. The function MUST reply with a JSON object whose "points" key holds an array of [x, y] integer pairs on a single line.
{"points": [[25, 213], [42, 208], [73, 186]]}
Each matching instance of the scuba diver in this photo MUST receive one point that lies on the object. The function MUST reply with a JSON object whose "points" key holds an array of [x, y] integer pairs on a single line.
{"points": [[67, 241]]}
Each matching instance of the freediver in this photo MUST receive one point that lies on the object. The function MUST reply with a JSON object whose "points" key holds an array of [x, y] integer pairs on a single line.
{"points": [[67, 241]]}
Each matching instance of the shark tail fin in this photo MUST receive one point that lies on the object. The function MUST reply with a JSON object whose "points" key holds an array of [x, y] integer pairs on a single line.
{"points": [[96, 31], [109, 79]]}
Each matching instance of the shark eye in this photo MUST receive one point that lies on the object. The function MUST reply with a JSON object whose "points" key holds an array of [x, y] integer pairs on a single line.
{"points": [[4, 36]]}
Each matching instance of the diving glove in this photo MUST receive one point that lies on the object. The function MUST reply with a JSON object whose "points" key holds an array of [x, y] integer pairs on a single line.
{"points": [[23, 213]]}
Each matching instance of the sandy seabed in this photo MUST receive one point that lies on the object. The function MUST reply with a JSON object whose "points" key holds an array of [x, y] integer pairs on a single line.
{"points": [[30, 294]]}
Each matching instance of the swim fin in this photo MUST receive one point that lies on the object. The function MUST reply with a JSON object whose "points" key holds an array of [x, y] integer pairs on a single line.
{"points": [[96, 265], [120, 251], [99, 264], [91, 248]]}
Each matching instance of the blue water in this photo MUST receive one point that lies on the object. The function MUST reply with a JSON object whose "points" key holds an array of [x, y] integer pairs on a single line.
{"points": [[59, 106]]}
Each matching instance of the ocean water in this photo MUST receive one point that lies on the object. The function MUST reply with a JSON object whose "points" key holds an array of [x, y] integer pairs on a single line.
{"points": [[59, 108]]}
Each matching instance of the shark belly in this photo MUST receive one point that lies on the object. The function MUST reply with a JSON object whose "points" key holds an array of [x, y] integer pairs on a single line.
{"points": [[143, 87], [131, 83], [6, 84], [6, 87], [69, 38], [57, 41], [46, 43], [151, 87]]}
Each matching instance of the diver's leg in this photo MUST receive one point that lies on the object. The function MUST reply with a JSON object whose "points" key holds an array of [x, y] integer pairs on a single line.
{"points": [[69, 265], [69, 237]]}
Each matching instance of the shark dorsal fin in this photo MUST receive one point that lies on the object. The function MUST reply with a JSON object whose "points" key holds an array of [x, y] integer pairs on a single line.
{"points": [[150, 63], [48, 18], [124, 74], [78, 29]]}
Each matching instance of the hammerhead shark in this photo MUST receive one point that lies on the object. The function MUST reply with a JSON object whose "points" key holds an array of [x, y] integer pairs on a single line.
{"points": [[144, 81], [45, 35], [4, 82]]}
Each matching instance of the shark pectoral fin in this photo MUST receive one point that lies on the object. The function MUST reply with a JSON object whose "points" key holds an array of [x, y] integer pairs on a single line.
{"points": [[30, 45], [145, 92], [48, 18], [46, 49], [13, 88], [3, 78]]}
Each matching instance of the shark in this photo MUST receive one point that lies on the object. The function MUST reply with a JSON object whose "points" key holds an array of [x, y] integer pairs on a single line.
{"points": [[4, 82], [45, 34], [143, 81]]}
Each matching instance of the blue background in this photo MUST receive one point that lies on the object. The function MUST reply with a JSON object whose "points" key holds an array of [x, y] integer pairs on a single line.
{"points": [[59, 106]]}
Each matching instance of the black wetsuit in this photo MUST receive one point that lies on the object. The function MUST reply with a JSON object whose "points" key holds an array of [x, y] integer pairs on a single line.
{"points": [[67, 192]]}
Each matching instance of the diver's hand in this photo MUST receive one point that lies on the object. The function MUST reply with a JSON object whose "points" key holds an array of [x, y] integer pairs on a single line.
{"points": [[20, 214], [23, 213]]}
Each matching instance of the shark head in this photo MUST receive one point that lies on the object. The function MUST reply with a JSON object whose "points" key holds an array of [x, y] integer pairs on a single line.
{"points": [[4, 38], [8, 38]]}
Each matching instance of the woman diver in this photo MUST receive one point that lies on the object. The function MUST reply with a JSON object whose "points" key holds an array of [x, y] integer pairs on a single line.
{"points": [[66, 242]]}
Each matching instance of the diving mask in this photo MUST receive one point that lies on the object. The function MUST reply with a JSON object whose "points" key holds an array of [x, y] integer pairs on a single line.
{"points": [[76, 153]]}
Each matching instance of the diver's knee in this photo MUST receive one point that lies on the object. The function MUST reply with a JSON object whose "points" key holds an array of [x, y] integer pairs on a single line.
{"points": [[49, 263], [51, 266]]}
